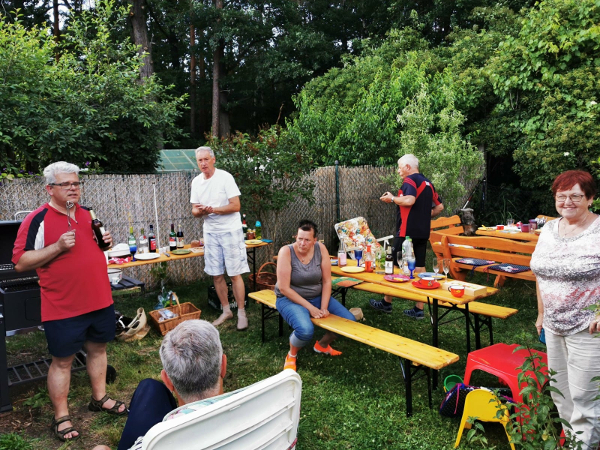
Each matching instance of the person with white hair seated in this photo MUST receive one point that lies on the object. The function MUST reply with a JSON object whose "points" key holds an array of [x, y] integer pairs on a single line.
{"points": [[192, 377]]}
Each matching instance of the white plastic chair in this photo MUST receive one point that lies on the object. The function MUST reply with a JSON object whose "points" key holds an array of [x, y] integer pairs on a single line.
{"points": [[263, 416]]}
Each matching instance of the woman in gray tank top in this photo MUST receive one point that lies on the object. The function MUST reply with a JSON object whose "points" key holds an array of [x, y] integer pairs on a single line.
{"points": [[303, 291]]}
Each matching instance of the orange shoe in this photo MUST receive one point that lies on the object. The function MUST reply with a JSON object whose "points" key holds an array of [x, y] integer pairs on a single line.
{"points": [[329, 351], [290, 362]]}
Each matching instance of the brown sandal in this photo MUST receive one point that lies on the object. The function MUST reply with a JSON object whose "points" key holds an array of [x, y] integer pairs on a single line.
{"points": [[96, 406], [60, 435]]}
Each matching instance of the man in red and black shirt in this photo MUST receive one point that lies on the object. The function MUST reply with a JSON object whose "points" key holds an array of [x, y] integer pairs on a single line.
{"points": [[77, 304], [417, 203]]}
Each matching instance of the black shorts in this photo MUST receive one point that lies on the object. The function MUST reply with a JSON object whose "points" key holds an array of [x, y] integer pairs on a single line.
{"points": [[66, 336], [419, 247]]}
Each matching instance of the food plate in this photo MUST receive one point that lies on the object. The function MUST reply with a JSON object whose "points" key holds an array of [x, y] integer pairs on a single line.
{"points": [[254, 242], [487, 228], [352, 269], [435, 285], [146, 256], [430, 274], [396, 278], [181, 251]]}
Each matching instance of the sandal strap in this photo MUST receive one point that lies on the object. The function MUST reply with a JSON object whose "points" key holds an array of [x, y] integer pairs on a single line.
{"points": [[60, 420], [102, 401]]}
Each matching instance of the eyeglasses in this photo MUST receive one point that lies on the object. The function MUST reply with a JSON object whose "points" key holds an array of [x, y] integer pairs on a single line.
{"points": [[575, 198], [68, 185]]}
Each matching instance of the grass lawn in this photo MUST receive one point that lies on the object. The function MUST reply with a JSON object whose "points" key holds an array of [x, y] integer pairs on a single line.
{"points": [[355, 401]]}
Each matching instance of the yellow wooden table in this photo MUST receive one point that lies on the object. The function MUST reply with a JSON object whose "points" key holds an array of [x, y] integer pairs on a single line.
{"points": [[250, 249], [434, 297]]}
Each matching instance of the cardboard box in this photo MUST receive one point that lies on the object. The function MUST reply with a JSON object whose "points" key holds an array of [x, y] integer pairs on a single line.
{"points": [[472, 290]]}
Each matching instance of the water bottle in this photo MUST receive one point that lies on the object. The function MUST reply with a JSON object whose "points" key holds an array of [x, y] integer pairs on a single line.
{"points": [[258, 230], [342, 255], [407, 252]]}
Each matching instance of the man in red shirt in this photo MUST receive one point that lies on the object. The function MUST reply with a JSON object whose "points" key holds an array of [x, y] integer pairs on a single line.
{"points": [[77, 307], [417, 202]]}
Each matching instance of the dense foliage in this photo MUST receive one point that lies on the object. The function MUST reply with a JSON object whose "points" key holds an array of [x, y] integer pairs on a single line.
{"points": [[81, 101], [270, 170]]}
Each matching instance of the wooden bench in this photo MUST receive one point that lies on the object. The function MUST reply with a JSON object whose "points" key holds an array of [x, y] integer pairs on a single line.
{"points": [[487, 248], [482, 313], [444, 225], [414, 356]]}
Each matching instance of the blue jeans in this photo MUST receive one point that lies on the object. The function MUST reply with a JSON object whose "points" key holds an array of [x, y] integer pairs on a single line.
{"points": [[298, 317]]}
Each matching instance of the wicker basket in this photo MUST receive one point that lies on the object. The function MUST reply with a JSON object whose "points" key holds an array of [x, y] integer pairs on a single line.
{"points": [[184, 311], [265, 280]]}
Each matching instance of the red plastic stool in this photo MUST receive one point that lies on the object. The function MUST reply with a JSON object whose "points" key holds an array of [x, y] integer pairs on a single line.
{"points": [[499, 360]]}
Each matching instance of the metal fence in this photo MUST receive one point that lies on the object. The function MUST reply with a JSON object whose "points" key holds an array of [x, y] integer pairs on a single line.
{"points": [[121, 200]]}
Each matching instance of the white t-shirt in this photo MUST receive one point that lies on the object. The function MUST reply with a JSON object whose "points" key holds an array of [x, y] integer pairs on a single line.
{"points": [[215, 192]]}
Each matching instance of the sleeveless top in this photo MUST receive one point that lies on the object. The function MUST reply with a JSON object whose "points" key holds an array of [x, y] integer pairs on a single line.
{"points": [[305, 279]]}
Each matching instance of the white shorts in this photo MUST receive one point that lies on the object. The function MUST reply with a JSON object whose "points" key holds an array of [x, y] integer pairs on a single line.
{"points": [[225, 251]]}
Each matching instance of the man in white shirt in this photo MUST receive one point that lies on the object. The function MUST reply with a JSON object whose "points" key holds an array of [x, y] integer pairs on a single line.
{"points": [[215, 197]]}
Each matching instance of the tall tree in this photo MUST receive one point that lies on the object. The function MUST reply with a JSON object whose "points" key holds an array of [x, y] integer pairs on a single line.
{"points": [[139, 25]]}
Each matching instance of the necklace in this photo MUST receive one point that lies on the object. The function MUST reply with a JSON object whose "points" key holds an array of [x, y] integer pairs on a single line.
{"points": [[577, 226], [304, 259]]}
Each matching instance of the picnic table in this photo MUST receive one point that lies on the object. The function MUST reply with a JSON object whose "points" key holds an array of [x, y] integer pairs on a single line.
{"points": [[508, 234], [434, 297], [250, 249]]}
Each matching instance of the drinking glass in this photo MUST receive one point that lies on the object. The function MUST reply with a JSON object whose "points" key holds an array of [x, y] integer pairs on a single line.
{"points": [[446, 264], [412, 262], [358, 253], [510, 222], [436, 265], [400, 261]]}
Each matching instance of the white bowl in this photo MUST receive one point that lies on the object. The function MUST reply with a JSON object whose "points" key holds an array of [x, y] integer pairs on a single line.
{"points": [[115, 276], [119, 251]]}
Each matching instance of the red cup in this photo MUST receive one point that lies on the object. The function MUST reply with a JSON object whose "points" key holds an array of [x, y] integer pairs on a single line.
{"points": [[525, 228], [499, 227], [457, 290], [427, 281]]}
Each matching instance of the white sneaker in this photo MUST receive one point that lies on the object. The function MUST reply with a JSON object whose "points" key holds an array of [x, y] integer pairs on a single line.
{"points": [[222, 318]]}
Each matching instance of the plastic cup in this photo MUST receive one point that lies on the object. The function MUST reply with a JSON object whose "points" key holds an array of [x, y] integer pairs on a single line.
{"points": [[450, 381], [525, 228]]}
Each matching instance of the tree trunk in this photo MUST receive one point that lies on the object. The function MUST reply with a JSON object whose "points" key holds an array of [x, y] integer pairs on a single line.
{"points": [[56, 26], [193, 132], [216, 100], [139, 18]]}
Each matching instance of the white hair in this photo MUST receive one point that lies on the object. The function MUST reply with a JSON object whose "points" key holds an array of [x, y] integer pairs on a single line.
{"points": [[53, 169], [205, 149], [191, 355], [409, 159]]}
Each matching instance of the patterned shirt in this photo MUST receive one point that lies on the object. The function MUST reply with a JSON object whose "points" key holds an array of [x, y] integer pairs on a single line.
{"points": [[568, 275], [187, 409]]}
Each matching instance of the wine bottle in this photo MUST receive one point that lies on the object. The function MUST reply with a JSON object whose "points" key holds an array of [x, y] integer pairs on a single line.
{"points": [[99, 231], [389, 261], [142, 243], [132, 241], [180, 242], [244, 226], [172, 238], [152, 239]]}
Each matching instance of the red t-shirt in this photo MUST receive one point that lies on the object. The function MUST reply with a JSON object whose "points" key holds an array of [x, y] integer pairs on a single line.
{"points": [[76, 281]]}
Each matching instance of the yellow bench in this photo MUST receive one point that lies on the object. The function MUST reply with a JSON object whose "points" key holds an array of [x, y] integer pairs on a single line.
{"points": [[414, 356], [483, 313]]}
